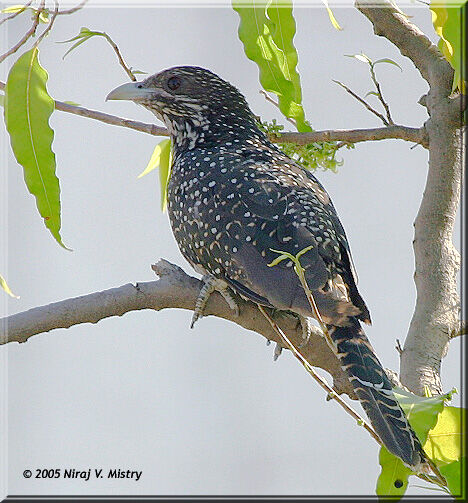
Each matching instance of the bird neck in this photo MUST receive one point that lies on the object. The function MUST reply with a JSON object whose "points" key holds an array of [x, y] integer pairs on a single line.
{"points": [[208, 132]]}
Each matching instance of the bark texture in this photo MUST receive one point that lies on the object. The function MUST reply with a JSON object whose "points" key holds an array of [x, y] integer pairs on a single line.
{"points": [[173, 289], [437, 262]]}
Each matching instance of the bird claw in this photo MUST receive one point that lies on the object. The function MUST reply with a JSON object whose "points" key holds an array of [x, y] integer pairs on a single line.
{"points": [[196, 316], [210, 284], [228, 297], [278, 350], [306, 330]]}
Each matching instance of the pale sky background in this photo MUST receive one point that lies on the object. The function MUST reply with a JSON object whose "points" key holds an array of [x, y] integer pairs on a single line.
{"points": [[203, 411]]}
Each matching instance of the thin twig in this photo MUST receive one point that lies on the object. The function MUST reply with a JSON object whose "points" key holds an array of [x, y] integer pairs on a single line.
{"points": [[74, 9], [27, 35], [323, 384], [49, 27], [364, 102], [17, 13], [268, 98], [120, 58], [380, 95], [462, 330], [398, 347]]}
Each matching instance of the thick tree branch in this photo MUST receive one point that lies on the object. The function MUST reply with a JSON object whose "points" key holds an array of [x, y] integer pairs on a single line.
{"points": [[410, 40], [436, 260], [414, 135], [173, 289]]}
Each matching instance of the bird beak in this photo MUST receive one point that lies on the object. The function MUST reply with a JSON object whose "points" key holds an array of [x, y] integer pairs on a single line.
{"points": [[130, 91]]}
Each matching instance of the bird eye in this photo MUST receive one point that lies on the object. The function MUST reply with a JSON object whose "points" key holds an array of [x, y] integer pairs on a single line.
{"points": [[174, 83]]}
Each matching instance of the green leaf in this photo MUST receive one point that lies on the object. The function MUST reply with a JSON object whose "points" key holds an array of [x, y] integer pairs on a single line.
{"points": [[389, 61], [267, 32], [444, 440], [84, 35], [162, 159], [333, 20], [371, 92], [453, 473], [360, 57], [422, 414], [44, 16], [5, 287], [28, 108], [13, 9], [393, 478], [277, 260], [446, 18]]}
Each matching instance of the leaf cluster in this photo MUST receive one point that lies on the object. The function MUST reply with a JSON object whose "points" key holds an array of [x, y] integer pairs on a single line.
{"points": [[317, 155]]}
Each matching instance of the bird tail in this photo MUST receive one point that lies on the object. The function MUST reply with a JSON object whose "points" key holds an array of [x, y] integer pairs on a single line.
{"points": [[374, 391]]}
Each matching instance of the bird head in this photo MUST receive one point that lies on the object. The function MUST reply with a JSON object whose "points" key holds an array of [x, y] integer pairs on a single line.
{"points": [[188, 95]]}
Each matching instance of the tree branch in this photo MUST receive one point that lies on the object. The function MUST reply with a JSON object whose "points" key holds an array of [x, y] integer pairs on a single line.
{"points": [[74, 9], [436, 261], [17, 13], [410, 40], [363, 102], [414, 135], [27, 35], [173, 289]]}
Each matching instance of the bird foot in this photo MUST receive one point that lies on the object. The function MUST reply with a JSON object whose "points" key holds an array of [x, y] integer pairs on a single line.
{"points": [[211, 284]]}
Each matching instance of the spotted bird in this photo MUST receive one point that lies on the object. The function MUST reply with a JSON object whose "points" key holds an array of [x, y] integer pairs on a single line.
{"points": [[233, 197]]}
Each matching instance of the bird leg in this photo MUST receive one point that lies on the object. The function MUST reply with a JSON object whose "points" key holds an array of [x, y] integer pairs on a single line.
{"points": [[211, 284]]}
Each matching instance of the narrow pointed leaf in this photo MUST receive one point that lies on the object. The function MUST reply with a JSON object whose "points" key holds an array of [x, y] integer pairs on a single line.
{"points": [[162, 159], [267, 32], [277, 260], [13, 9], [84, 35], [7, 289], [360, 57], [333, 20], [75, 45], [28, 108], [389, 61]]}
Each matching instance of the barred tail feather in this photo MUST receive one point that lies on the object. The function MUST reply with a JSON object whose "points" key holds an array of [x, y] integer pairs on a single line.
{"points": [[374, 391]]}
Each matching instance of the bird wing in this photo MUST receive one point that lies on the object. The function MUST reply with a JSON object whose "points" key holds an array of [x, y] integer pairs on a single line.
{"points": [[281, 208]]}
